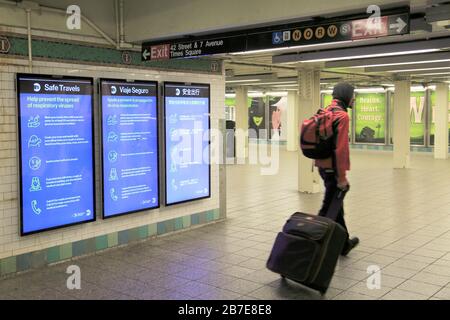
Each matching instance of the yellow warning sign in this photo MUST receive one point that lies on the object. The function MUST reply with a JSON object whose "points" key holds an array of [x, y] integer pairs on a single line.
{"points": [[308, 33], [332, 31], [320, 32], [296, 35]]}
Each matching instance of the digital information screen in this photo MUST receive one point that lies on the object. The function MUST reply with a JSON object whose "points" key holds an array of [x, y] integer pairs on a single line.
{"points": [[187, 142], [130, 146], [56, 151]]}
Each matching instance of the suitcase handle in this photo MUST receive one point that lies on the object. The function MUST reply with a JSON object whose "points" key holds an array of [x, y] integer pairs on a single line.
{"points": [[336, 204]]}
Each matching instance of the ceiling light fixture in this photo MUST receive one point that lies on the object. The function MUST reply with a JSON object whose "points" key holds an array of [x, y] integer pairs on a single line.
{"points": [[391, 61], [371, 55], [289, 48], [239, 81], [382, 50], [268, 83], [421, 69]]}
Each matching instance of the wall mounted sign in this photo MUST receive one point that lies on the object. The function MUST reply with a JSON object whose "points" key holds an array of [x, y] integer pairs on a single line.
{"points": [[393, 22], [56, 151], [129, 112]]}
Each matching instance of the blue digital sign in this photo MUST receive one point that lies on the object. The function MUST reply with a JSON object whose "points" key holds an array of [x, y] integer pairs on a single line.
{"points": [[56, 152], [130, 146], [187, 139]]}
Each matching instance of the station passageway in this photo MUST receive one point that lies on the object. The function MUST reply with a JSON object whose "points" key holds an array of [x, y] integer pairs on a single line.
{"points": [[401, 217]]}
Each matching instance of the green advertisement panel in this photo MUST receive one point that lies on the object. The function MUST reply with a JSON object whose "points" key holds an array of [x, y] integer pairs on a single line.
{"points": [[370, 122], [230, 109], [432, 125], [326, 101], [327, 98], [230, 102], [417, 117]]}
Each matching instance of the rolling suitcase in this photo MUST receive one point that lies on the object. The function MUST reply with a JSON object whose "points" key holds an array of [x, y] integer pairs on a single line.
{"points": [[307, 249]]}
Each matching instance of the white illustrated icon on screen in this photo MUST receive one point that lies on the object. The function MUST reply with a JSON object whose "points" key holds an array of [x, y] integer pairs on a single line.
{"points": [[35, 207], [174, 185], [113, 90], [113, 194], [113, 175], [173, 118], [112, 120], [177, 92], [34, 122], [35, 184], [173, 134], [173, 157], [112, 156], [36, 87], [35, 163], [153, 200], [34, 141], [88, 212], [205, 190], [112, 137]]}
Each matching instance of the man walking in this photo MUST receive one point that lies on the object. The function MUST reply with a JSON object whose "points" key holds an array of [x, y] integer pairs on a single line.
{"points": [[333, 170]]}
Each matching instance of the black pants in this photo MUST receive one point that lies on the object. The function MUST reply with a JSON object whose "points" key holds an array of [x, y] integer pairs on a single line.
{"points": [[331, 188]]}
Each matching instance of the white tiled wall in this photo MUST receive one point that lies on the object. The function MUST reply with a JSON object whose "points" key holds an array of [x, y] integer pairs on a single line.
{"points": [[11, 243]]}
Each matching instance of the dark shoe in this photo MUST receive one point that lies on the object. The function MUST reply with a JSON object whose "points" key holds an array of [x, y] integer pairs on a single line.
{"points": [[351, 244]]}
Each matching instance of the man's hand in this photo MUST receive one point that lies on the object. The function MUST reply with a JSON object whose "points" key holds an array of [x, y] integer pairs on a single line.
{"points": [[345, 186]]}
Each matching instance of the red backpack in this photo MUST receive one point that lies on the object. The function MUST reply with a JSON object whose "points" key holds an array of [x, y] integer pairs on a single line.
{"points": [[317, 135]]}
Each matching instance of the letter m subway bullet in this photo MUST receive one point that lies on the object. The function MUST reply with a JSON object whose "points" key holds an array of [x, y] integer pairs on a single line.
{"points": [[160, 52]]}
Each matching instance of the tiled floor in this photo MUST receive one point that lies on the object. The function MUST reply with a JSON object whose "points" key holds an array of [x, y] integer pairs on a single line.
{"points": [[401, 216]]}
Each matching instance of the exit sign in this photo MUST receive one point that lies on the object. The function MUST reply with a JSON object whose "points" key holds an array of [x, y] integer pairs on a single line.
{"points": [[5, 46]]}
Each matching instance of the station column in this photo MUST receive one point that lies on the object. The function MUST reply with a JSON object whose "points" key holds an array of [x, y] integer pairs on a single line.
{"points": [[308, 103], [292, 121], [441, 115], [241, 124], [402, 124]]}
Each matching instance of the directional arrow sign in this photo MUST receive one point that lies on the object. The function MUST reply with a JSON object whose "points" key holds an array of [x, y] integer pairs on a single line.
{"points": [[145, 54], [400, 25], [348, 28]]}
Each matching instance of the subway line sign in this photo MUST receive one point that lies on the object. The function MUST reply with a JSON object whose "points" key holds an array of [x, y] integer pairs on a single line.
{"points": [[330, 30], [339, 31]]}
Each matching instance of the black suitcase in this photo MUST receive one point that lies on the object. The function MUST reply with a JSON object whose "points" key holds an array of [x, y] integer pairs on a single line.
{"points": [[307, 249]]}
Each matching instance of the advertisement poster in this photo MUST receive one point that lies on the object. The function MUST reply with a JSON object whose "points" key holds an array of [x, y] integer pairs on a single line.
{"points": [[433, 115], [187, 151], [370, 123], [418, 118], [256, 118], [130, 146], [278, 119], [56, 152], [327, 98], [230, 109]]}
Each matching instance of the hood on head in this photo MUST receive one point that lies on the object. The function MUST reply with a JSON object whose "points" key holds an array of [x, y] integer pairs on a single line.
{"points": [[344, 92]]}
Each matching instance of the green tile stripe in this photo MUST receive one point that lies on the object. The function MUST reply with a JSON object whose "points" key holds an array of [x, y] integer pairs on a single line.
{"points": [[74, 52], [79, 248]]}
